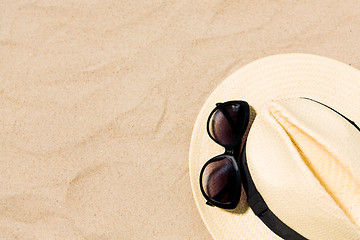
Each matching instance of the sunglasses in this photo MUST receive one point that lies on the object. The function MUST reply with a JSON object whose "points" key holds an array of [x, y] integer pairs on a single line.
{"points": [[220, 177]]}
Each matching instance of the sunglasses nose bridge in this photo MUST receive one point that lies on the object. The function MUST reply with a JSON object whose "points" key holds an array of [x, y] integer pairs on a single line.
{"points": [[229, 151]]}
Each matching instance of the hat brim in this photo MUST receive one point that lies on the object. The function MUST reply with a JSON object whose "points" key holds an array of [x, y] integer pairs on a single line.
{"points": [[275, 77]]}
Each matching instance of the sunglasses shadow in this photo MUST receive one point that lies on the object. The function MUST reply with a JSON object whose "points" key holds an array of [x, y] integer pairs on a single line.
{"points": [[252, 117], [243, 206]]}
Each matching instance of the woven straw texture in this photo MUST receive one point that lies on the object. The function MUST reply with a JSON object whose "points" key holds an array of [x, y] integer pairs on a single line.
{"points": [[259, 83]]}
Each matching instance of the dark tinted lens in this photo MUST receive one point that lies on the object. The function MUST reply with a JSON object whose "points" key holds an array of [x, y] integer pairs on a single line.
{"points": [[225, 124], [219, 180]]}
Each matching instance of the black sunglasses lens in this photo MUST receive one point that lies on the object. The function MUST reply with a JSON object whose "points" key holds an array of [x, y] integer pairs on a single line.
{"points": [[219, 180], [224, 125]]}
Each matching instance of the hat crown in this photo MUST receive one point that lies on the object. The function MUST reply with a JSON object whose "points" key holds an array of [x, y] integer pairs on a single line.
{"points": [[303, 158]]}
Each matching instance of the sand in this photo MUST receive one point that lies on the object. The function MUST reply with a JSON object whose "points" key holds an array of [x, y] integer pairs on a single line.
{"points": [[98, 100]]}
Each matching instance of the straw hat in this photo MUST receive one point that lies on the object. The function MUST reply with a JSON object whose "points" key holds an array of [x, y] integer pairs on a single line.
{"points": [[303, 157]]}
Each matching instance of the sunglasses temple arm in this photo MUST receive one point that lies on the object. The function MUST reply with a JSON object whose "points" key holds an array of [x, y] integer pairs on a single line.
{"points": [[209, 203]]}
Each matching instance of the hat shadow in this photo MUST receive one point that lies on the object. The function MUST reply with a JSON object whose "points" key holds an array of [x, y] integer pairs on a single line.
{"points": [[243, 206]]}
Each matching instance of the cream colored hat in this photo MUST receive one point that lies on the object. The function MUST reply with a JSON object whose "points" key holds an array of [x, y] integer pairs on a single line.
{"points": [[303, 157]]}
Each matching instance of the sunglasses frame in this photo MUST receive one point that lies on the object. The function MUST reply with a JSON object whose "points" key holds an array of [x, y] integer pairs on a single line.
{"points": [[243, 177], [231, 152]]}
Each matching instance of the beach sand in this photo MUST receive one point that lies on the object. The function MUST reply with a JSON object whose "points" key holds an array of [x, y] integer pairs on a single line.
{"points": [[98, 100]]}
